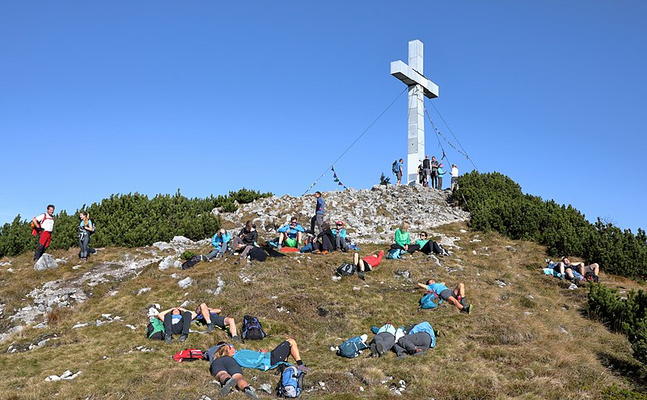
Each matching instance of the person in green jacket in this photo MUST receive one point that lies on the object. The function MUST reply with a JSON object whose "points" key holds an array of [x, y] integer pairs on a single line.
{"points": [[402, 239]]}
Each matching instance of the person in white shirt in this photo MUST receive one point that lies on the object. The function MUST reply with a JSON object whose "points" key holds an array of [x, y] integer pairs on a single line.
{"points": [[454, 176], [43, 225]]}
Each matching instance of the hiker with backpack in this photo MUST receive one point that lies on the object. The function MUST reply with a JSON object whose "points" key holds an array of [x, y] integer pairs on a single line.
{"points": [[434, 172], [340, 237], [402, 239], [227, 371], [440, 291], [319, 214], [323, 242], [177, 321], [86, 228], [265, 360], [220, 243], [367, 263], [291, 234], [417, 340], [426, 170], [396, 168], [43, 225], [246, 240], [211, 317]]}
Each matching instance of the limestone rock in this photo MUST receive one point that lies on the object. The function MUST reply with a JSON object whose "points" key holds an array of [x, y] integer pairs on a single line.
{"points": [[45, 262]]}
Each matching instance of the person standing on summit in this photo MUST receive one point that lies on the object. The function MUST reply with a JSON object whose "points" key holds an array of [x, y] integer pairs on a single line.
{"points": [[43, 225], [319, 214]]}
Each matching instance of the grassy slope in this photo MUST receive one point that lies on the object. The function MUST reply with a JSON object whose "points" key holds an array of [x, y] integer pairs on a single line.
{"points": [[527, 340]]}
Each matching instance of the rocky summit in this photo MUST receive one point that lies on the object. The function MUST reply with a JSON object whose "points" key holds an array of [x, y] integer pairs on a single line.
{"points": [[369, 215]]}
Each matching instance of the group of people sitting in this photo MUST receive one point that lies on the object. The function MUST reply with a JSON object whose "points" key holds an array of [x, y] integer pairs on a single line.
{"points": [[403, 242], [576, 272]]}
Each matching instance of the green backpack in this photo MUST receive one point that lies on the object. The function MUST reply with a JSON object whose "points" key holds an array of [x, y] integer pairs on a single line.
{"points": [[155, 329]]}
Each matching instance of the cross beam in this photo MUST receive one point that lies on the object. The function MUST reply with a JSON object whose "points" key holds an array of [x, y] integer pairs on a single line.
{"points": [[419, 86]]}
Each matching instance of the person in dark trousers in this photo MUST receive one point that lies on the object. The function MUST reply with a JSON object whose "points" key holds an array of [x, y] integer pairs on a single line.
{"points": [[227, 371], [177, 321], [319, 214], [434, 172], [383, 341], [43, 225], [324, 242], [204, 315]]}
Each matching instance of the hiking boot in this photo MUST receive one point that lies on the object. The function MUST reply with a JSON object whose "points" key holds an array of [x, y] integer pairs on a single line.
{"points": [[210, 328], [361, 275], [401, 356], [168, 338], [303, 368], [182, 338], [278, 247], [468, 309], [419, 352], [235, 338], [250, 392], [227, 387]]}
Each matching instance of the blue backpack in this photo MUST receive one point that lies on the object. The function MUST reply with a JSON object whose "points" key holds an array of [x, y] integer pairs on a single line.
{"points": [[394, 254], [352, 347], [291, 382], [429, 301]]}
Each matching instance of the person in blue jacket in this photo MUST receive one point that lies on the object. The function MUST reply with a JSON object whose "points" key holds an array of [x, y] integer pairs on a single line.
{"points": [[420, 338], [340, 237], [265, 360], [220, 243], [456, 296], [291, 234]]}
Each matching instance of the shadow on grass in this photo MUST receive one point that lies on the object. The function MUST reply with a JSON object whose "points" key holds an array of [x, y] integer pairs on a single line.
{"points": [[631, 369]]}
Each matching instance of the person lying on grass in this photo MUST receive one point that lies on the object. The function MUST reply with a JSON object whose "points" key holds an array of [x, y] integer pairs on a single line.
{"points": [[456, 296]]}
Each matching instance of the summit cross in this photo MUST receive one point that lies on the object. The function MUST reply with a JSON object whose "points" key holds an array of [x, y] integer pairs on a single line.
{"points": [[419, 86]]}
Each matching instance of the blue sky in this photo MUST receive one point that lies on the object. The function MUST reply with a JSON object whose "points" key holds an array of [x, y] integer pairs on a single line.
{"points": [[99, 98]]}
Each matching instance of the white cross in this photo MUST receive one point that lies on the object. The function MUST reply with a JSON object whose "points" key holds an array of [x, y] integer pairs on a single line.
{"points": [[419, 86]]}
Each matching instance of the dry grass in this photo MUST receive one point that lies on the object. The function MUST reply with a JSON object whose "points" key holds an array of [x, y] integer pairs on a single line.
{"points": [[527, 339]]}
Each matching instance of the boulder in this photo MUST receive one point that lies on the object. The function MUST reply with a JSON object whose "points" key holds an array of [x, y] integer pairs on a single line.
{"points": [[45, 262]]}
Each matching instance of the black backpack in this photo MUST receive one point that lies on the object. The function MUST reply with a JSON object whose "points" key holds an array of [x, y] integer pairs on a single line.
{"points": [[394, 167], [252, 328], [346, 269], [257, 254], [191, 263]]}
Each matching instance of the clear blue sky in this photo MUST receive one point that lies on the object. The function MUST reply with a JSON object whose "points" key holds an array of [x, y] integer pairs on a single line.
{"points": [[99, 98]]}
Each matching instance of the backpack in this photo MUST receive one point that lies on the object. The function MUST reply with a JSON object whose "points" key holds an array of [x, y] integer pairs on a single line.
{"points": [[252, 328], [191, 263], [394, 254], [591, 277], [290, 383], [346, 269], [188, 355], [257, 254], [394, 167], [352, 347], [429, 301], [155, 329]]}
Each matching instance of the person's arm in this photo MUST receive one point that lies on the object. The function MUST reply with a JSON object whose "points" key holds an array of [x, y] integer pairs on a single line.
{"points": [[36, 222], [184, 310], [214, 243], [163, 313], [89, 227], [215, 310], [422, 286]]}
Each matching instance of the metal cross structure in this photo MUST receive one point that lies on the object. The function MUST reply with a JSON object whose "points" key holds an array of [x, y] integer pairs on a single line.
{"points": [[419, 86]]}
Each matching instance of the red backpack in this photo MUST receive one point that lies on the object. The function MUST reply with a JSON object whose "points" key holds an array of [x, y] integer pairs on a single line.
{"points": [[189, 355]]}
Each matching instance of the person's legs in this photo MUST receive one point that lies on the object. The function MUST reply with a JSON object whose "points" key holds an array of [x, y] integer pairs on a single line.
{"points": [[384, 341], [313, 220], [44, 239], [246, 251], [413, 248], [237, 244], [338, 242], [168, 324], [282, 237], [232, 326], [421, 341], [326, 244], [356, 261], [204, 311], [459, 290], [440, 183], [299, 239], [186, 325], [595, 268], [213, 253], [344, 245], [427, 248], [320, 218]]}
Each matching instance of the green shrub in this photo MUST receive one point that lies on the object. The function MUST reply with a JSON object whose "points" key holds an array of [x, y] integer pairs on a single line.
{"points": [[497, 203]]}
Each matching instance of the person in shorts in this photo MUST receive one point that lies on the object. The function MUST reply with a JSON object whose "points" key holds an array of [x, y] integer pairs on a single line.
{"points": [[455, 297], [227, 371], [211, 317]]}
